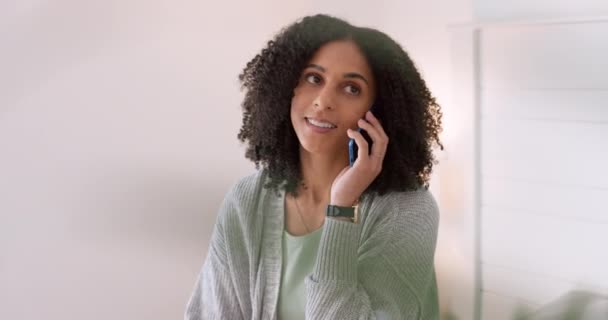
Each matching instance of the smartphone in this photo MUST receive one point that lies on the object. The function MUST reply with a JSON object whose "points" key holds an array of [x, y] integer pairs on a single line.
{"points": [[353, 149]]}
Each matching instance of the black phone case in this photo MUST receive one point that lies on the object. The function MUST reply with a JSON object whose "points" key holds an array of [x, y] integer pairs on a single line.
{"points": [[353, 149]]}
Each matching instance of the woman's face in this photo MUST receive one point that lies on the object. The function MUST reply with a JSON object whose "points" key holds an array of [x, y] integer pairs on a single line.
{"points": [[336, 89]]}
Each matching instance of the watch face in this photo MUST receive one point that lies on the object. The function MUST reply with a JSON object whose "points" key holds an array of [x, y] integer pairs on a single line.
{"points": [[348, 212], [336, 211]]}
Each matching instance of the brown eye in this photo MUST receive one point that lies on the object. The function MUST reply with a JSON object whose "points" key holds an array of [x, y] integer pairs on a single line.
{"points": [[355, 90], [311, 77]]}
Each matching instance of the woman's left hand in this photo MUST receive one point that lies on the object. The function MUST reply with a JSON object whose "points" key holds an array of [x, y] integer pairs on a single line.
{"points": [[351, 182]]}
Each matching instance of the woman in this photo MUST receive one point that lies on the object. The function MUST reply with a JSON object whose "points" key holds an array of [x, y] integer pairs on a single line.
{"points": [[277, 250]]}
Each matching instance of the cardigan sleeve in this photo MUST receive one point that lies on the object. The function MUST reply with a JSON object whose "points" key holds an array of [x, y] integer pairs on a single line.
{"points": [[388, 274], [214, 295]]}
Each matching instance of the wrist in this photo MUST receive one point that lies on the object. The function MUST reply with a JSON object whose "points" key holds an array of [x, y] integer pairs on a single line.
{"points": [[344, 210], [342, 202]]}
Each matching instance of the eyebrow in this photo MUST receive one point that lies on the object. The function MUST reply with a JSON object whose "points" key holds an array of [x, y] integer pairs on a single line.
{"points": [[346, 75]]}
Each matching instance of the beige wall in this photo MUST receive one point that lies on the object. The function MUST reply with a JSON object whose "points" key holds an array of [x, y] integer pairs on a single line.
{"points": [[118, 125]]}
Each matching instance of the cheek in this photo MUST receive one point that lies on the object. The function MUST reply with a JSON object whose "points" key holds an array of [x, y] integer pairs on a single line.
{"points": [[294, 105], [351, 120], [304, 95], [298, 103], [353, 124], [296, 111]]}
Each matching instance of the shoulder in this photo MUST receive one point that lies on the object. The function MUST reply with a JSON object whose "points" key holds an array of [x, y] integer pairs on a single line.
{"points": [[408, 209], [238, 202], [246, 189], [415, 202]]}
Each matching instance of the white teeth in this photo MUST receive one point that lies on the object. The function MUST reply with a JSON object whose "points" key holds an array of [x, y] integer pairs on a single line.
{"points": [[320, 123]]}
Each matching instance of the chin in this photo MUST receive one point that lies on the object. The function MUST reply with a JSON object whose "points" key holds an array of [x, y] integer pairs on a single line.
{"points": [[320, 147], [312, 148]]}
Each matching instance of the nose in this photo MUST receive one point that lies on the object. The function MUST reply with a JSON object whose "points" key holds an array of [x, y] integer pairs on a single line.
{"points": [[317, 105], [324, 100]]}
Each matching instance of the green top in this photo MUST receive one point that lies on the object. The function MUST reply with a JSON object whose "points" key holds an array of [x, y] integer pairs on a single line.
{"points": [[299, 256]]}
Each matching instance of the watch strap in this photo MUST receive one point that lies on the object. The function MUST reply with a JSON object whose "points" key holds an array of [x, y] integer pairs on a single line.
{"points": [[338, 211], [347, 212]]}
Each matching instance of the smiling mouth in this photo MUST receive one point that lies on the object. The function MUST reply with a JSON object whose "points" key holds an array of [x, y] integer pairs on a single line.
{"points": [[320, 124]]}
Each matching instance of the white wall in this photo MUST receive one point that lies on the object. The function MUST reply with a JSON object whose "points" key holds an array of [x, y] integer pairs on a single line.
{"points": [[543, 131], [534, 91], [496, 10], [118, 125]]}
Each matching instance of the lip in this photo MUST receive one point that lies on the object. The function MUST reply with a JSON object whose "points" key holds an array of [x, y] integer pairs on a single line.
{"points": [[317, 129], [321, 120]]}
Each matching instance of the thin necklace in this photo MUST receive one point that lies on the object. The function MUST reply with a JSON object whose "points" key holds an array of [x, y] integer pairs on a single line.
{"points": [[300, 214]]}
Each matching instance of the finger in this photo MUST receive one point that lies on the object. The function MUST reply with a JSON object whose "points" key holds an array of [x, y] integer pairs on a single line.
{"points": [[369, 116], [361, 143], [372, 131], [380, 141]]}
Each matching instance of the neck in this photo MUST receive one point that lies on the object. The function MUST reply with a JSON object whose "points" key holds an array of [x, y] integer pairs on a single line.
{"points": [[318, 173]]}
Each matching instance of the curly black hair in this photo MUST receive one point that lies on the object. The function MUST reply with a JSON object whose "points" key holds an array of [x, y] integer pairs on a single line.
{"points": [[408, 112]]}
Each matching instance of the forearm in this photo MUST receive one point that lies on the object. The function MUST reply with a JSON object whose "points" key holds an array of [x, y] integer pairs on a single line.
{"points": [[333, 291], [348, 283]]}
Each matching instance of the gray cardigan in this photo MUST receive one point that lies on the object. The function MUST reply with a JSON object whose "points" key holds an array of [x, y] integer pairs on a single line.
{"points": [[381, 268]]}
